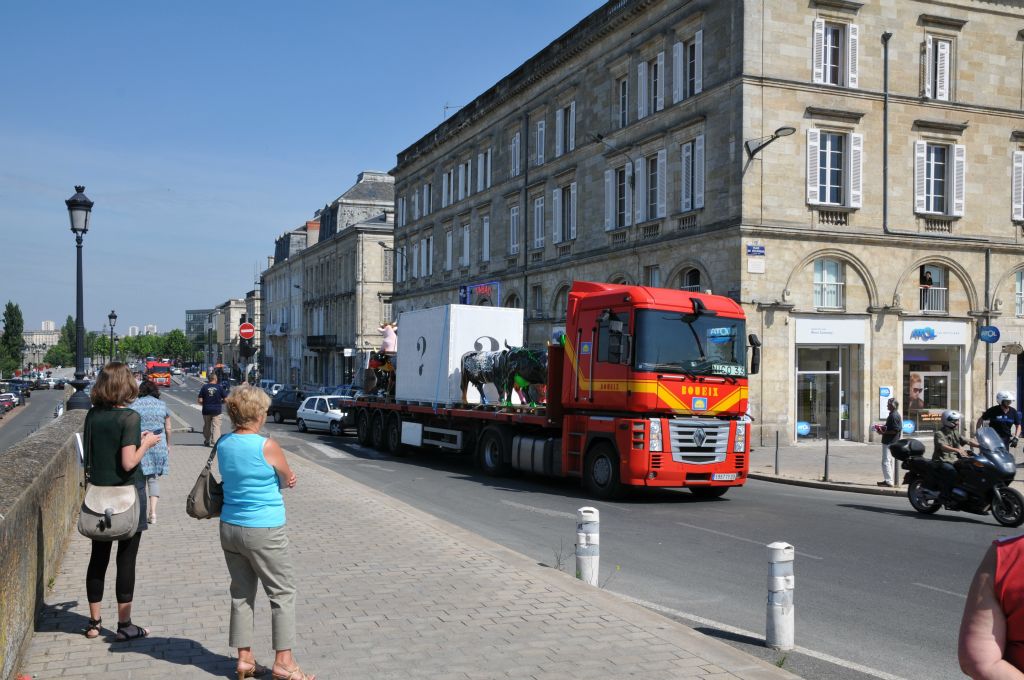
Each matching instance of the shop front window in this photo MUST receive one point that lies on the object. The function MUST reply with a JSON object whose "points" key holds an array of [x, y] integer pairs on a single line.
{"points": [[932, 384], [828, 391]]}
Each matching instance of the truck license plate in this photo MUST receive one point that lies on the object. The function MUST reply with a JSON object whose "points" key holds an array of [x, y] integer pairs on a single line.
{"points": [[723, 476]]}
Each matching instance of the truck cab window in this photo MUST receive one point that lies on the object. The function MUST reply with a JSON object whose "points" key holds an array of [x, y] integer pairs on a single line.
{"points": [[612, 337]]}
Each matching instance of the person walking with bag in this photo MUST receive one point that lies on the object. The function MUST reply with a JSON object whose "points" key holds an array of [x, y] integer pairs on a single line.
{"points": [[252, 533], [211, 396], [156, 419], [114, 445], [890, 432]]}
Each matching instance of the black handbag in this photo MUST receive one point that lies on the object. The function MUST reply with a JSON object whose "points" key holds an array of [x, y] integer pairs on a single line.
{"points": [[206, 498]]}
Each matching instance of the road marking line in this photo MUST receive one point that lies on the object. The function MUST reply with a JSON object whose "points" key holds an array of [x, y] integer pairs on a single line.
{"points": [[540, 511], [741, 538], [330, 451], [378, 467], [821, 656], [940, 590]]}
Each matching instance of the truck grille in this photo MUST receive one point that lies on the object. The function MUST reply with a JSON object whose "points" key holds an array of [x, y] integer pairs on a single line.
{"points": [[699, 442]]}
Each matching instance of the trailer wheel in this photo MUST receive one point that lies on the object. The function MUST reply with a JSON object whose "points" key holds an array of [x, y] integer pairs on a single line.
{"points": [[393, 436], [363, 427], [377, 430], [601, 472], [491, 454]]}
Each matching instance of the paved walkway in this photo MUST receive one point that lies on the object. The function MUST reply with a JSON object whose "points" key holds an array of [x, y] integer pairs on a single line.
{"points": [[385, 591]]}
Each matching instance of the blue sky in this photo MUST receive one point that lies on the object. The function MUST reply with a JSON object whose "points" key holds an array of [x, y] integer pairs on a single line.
{"points": [[203, 130]]}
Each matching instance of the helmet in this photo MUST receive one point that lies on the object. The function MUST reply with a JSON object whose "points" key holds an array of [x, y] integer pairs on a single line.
{"points": [[950, 418], [1004, 396]]}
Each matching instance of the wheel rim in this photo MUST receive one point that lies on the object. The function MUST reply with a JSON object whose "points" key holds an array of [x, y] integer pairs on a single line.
{"points": [[602, 471], [363, 427], [335, 430], [394, 435], [916, 496], [302, 425], [491, 454], [1007, 508]]}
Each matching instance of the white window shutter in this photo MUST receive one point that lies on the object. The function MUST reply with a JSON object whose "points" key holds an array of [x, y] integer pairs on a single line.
{"points": [[479, 172], [818, 52], [556, 215], [813, 141], [698, 62], [512, 157], [444, 190], [572, 211], [942, 70], [609, 200], [641, 190], [426, 200], [538, 222], [629, 194], [465, 245], [489, 154], [430, 255], [852, 55], [448, 249], [513, 229], [959, 178], [929, 45], [540, 142], [660, 94], [559, 133], [572, 125], [1018, 185], [662, 187], [415, 260], [485, 238], [920, 158], [686, 205], [677, 72], [856, 173], [641, 90], [462, 181], [698, 172]]}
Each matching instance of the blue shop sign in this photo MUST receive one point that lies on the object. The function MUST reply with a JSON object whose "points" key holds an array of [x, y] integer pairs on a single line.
{"points": [[755, 251], [909, 426], [988, 334], [803, 428]]}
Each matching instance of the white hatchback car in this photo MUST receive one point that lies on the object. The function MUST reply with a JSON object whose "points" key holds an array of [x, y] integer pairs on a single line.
{"points": [[323, 413]]}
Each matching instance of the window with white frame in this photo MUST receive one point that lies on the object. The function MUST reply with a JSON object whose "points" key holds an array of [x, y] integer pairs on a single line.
{"points": [[514, 151], [537, 298], [538, 222], [650, 86], [416, 205], [934, 288], [464, 254], [618, 197], [937, 54], [448, 250], [385, 308], [448, 188], [465, 177], [650, 187], [688, 67], [1017, 186], [939, 178], [1019, 294], [835, 53], [401, 211], [389, 264], [835, 169], [828, 284], [565, 129], [485, 238], [563, 210], [483, 170], [652, 276], [401, 266], [622, 96], [689, 280], [692, 175], [415, 259], [539, 140], [513, 230], [427, 198]]}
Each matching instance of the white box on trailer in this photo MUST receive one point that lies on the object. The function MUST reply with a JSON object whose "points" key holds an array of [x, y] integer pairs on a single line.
{"points": [[431, 343]]}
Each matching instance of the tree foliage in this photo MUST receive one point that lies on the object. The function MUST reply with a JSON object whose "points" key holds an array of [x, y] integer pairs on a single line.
{"points": [[12, 340]]}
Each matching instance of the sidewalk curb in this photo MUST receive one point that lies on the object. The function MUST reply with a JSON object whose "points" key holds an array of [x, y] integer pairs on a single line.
{"points": [[830, 486]]}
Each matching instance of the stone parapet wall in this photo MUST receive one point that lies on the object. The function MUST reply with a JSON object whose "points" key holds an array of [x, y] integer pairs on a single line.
{"points": [[40, 493]]}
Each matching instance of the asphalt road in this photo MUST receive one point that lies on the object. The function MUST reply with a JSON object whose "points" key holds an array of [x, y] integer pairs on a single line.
{"points": [[879, 588], [24, 420]]}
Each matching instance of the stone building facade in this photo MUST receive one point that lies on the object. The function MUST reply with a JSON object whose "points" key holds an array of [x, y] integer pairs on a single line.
{"points": [[281, 288], [851, 172]]}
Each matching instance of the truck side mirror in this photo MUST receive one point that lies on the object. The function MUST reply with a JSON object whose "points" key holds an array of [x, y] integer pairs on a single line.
{"points": [[755, 354]]}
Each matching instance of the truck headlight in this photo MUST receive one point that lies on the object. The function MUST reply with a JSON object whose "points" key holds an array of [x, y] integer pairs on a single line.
{"points": [[741, 437], [655, 434]]}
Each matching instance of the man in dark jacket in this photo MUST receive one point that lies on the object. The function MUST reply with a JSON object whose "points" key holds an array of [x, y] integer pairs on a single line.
{"points": [[891, 431], [211, 396]]}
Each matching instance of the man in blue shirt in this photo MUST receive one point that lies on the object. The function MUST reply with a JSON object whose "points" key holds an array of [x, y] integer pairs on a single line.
{"points": [[1004, 419], [211, 396]]}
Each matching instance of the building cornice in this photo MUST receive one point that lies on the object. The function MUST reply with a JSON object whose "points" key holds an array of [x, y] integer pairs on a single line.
{"points": [[833, 114], [942, 22], [839, 5], [940, 126]]}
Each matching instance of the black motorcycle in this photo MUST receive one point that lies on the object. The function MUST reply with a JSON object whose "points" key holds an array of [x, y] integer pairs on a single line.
{"points": [[983, 480]]}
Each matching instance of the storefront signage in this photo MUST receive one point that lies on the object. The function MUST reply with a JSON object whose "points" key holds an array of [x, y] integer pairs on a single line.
{"points": [[829, 331], [803, 428], [885, 393], [755, 251], [988, 334], [928, 332]]}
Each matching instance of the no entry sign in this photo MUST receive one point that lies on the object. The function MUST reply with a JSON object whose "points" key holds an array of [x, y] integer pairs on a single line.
{"points": [[247, 331]]}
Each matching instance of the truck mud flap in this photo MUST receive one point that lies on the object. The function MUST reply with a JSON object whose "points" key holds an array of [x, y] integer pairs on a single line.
{"points": [[538, 455]]}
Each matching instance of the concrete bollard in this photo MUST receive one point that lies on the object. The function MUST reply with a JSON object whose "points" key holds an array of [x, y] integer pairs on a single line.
{"points": [[780, 629], [588, 544]]}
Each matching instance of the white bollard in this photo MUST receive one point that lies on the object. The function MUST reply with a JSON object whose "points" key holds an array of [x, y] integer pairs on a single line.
{"points": [[588, 544], [780, 629]]}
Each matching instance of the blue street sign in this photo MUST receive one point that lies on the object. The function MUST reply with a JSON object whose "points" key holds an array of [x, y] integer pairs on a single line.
{"points": [[988, 334]]}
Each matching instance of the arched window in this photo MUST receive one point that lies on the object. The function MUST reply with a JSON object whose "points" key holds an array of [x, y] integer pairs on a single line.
{"points": [[561, 300], [513, 301], [484, 302], [689, 280], [933, 282], [619, 280], [828, 284]]}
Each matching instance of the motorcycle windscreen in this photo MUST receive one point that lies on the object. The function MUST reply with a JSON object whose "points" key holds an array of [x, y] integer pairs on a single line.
{"points": [[992, 447]]}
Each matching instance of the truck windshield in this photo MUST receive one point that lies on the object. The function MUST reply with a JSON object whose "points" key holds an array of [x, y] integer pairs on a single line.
{"points": [[676, 342]]}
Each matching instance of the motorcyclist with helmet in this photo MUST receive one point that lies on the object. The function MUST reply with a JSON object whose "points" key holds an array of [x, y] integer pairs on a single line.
{"points": [[949, 447], [1004, 419]]}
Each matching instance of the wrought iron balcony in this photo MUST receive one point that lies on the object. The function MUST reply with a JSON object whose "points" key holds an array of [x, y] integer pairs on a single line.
{"points": [[321, 341]]}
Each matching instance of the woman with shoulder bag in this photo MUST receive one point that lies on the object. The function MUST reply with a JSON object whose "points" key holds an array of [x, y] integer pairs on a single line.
{"points": [[252, 533], [114, 445]]}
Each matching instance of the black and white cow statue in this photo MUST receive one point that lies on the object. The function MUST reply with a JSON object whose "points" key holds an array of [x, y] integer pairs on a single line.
{"points": [[512, 368]]}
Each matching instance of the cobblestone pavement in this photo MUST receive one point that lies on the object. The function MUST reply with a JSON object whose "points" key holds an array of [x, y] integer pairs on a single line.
{"points": [[384, 591]]}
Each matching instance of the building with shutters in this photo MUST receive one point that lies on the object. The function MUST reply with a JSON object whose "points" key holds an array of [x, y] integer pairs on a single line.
{"points": [[851, 172]]}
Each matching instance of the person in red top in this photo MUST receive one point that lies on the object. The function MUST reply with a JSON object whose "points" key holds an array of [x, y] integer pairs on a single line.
{"points": [[992, 630]]}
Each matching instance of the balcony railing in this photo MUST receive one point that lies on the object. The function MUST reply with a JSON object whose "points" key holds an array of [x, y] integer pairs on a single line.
{"points": [[695, 288], [933, 299], [828, 295], [321, 341]]}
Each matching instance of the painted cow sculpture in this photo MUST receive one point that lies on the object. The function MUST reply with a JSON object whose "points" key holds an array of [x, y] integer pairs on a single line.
{"points": [[512, 368]]}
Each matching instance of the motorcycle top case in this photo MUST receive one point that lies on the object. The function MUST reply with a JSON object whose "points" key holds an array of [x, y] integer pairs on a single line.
{"points": [[905, 448], [431, 343]]}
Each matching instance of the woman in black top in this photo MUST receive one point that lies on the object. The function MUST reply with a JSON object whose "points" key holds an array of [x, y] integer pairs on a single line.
{"points": [[114, 447]]}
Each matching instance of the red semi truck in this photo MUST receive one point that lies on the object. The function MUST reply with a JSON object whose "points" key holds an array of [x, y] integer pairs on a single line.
{"points": [[648, 388]]}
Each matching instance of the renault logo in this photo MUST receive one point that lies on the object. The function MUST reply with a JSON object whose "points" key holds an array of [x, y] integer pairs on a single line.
{"points": [[699, 437]]}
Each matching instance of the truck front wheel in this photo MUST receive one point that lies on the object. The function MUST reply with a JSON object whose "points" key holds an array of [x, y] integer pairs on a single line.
{"points": [[491, 454], [363, 427], [601, 472]]}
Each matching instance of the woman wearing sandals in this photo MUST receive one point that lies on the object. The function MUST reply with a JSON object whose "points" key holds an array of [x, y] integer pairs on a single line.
{"points": [[115, 445], [252, 533]]}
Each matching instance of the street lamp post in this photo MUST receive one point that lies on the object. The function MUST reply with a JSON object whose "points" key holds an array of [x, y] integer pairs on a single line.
{"points": [[79, 210], [112, 318]]}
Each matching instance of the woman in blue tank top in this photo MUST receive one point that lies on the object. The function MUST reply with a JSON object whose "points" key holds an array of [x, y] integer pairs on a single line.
{"points": [[252, 533]]}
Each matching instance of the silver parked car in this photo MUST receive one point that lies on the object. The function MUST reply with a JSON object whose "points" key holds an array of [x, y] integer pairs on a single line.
{"points": [[324, 413]]}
